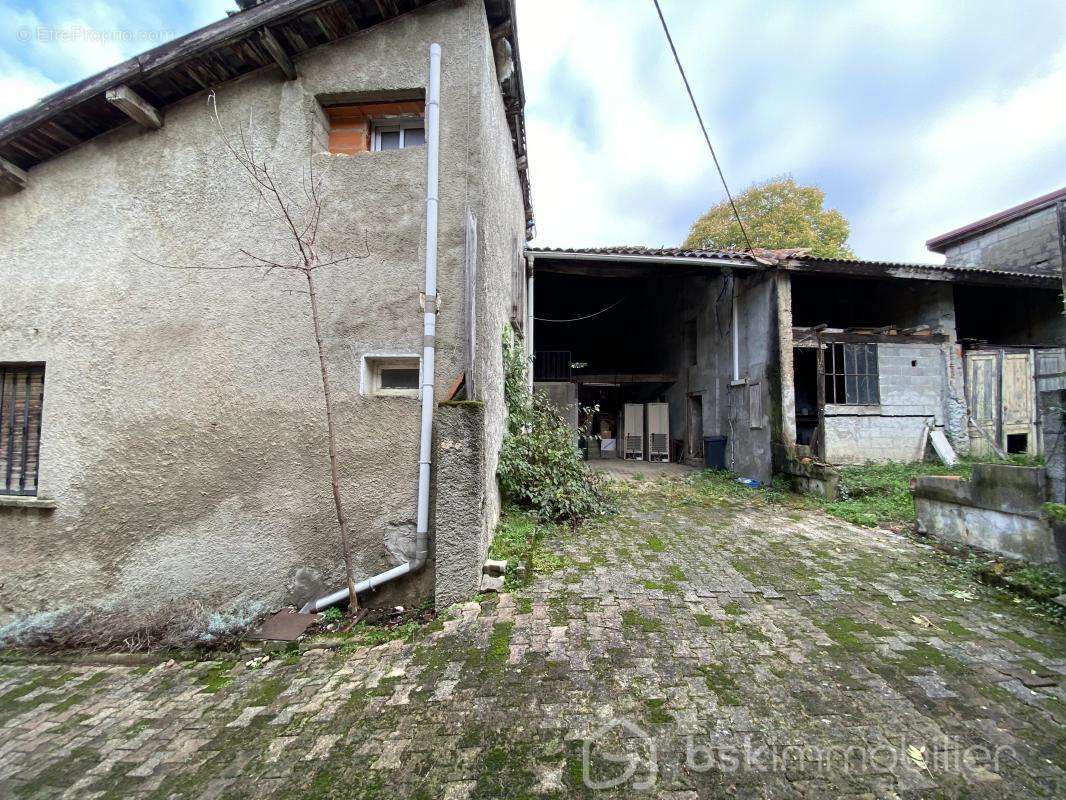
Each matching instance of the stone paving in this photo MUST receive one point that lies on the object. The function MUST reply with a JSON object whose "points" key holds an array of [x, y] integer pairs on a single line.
{"points": [[695, 645]]}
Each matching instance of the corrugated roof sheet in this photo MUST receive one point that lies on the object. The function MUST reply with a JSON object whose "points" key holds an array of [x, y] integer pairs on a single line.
{"points": [[957, 270], [638, 250], [795, 256]]}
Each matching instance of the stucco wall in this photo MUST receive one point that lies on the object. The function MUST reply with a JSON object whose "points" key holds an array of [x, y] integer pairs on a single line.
{"points": [[183, 432], [496, 199], [707, 302], [1027, 244]]}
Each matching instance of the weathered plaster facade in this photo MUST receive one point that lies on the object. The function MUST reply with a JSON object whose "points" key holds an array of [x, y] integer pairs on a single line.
{"points": [[727, 404], [183, 437]]}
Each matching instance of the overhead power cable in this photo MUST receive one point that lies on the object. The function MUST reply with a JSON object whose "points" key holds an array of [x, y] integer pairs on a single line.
{"points": [[587, 316], [703, 127]]}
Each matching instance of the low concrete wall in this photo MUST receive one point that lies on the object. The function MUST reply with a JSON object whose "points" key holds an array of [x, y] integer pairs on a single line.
{"points": [[1054, 443], [807, 476], [461, 528], [998, 509]]}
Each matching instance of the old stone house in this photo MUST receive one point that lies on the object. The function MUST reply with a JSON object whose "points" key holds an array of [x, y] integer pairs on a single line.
{"points": [[162, 430]]}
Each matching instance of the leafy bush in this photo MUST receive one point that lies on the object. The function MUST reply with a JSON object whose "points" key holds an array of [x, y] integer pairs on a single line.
{"points": [[332, 614], [175, 625], [1028, 580], [540, 465], [1056, 512]]}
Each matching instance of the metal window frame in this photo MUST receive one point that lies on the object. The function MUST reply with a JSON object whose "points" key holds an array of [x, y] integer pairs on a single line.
{"points": [[7, 407], [833, 371]]}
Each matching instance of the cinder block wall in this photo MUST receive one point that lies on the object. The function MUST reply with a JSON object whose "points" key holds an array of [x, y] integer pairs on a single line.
{"points": [[1029, 243], [912, 387]]}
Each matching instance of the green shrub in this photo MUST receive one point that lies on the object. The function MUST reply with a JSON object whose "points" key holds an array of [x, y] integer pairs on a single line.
{"points": [[879, 494], [540, 465], [1056, 512]]}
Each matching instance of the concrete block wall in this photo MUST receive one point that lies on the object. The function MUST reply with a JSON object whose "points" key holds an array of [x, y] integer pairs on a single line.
{"points": [[911, 380], [913, 385], [1029, 243], [863, 438]]}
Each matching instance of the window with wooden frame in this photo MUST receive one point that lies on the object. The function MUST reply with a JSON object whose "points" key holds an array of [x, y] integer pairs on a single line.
{"points": [[388, 125], [21, 401], [851, 374]]}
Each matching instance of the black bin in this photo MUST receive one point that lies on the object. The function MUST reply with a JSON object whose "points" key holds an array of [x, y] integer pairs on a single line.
{"points": [[714, 452]]}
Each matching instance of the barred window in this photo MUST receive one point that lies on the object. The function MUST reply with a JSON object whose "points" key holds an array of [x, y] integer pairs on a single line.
{"points": [[851, 374], [21, 400]]}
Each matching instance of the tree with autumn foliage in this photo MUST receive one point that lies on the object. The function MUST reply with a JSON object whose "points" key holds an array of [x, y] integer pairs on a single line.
{"points": [[777, 214]]}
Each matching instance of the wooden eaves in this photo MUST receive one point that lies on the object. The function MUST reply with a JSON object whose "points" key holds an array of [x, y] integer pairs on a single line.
{"points": [[262, 35]]}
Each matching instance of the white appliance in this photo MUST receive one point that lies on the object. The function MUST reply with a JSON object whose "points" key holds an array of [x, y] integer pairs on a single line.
{"points": [[633, 432], [658, 430]]}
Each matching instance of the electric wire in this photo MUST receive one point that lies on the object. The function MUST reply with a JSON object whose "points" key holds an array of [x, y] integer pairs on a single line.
{"points": [[706, 136], [587, 316]]}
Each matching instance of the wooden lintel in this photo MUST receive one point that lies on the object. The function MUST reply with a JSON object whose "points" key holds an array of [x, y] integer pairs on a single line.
{"points": [[135, 107], [626, 377], [12, 175], [277, 52]]}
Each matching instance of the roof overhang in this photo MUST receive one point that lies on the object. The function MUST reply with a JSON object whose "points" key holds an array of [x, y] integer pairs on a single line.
{"points": [[260, 36], [631, 265]]}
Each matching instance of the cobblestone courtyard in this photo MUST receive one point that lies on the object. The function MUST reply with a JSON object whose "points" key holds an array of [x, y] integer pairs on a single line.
{"points": [[726, 647]]}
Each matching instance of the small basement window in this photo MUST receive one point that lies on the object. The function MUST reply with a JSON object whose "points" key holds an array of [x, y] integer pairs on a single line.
{"points": [[21, 402], [392, 376]]}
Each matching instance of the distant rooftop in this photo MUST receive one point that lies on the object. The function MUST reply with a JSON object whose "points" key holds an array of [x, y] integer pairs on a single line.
{"points": [[938, 244]]}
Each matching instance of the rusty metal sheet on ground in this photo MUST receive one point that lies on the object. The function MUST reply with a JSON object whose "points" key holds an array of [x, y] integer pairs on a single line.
{"points": [[285, 626]]}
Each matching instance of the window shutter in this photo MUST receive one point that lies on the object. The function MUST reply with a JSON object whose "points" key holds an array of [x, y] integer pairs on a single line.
{"points": [[21, 401]]}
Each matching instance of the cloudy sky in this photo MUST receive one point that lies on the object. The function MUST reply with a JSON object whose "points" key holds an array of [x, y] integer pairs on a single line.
{"points": [[914, 117]]}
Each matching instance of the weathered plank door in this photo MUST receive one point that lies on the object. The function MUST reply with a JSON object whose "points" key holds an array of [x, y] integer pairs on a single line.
{"points": [[1019, 403], [1050, 369], [982, 396]]}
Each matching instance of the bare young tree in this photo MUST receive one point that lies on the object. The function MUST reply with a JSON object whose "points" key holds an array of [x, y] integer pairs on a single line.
{"points": [[297, 222]]}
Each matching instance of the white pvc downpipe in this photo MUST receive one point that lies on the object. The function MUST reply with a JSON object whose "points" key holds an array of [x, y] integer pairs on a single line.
{"points": [[429, 332], [429, 318]]}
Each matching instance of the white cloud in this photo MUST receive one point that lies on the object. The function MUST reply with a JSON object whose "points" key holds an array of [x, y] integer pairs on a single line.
{"points": [[22, 88], [914, 116], [970, 162], [44, 50]]}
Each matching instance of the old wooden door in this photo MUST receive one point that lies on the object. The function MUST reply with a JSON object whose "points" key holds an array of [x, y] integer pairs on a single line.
{"points": [[982, 396], [1019, 404]]}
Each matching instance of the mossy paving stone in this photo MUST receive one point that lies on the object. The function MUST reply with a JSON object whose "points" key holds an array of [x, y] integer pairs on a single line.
{"points": [[696, 609]]}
